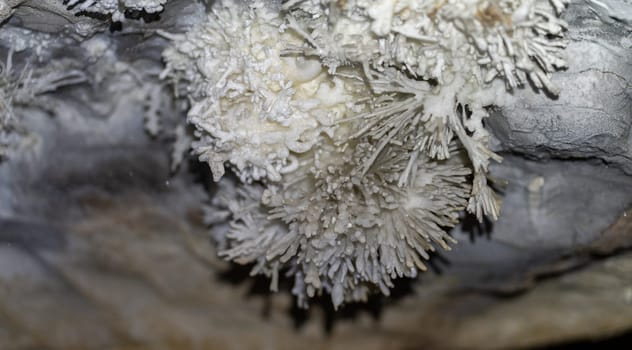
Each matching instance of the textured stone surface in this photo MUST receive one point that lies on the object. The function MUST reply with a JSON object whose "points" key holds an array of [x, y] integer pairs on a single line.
{"points": [[592, 117], [568, 160]]}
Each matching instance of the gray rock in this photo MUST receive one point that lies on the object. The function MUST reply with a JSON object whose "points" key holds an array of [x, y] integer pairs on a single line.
{"points": [[592, 117]]}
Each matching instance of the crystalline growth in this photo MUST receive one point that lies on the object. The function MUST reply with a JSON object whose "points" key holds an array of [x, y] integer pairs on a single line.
{"points": [[356, 127], [345, 232], [252, 106], [115, 8]]}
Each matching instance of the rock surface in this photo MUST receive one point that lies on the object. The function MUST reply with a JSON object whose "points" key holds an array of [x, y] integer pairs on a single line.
{"points": [[592, 117]]}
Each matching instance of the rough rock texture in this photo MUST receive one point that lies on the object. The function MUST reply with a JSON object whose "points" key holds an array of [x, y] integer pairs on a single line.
{"points": [[102, 246], [591, 119], [568, 161]]}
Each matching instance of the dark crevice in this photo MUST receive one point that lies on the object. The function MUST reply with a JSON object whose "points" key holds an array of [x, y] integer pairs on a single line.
{"points": [[619, 341]]}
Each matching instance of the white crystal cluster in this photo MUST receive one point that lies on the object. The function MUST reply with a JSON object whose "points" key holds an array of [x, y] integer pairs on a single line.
{"points": [[115, 8], [355, 127]]}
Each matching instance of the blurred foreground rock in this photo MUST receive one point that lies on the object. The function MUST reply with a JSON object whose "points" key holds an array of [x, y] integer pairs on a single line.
{"points": [[137, 271]]}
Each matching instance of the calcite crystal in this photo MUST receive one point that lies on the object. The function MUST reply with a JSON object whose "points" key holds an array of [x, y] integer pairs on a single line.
{"points": [[356, 127], [115, 9], [97, 228]]}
